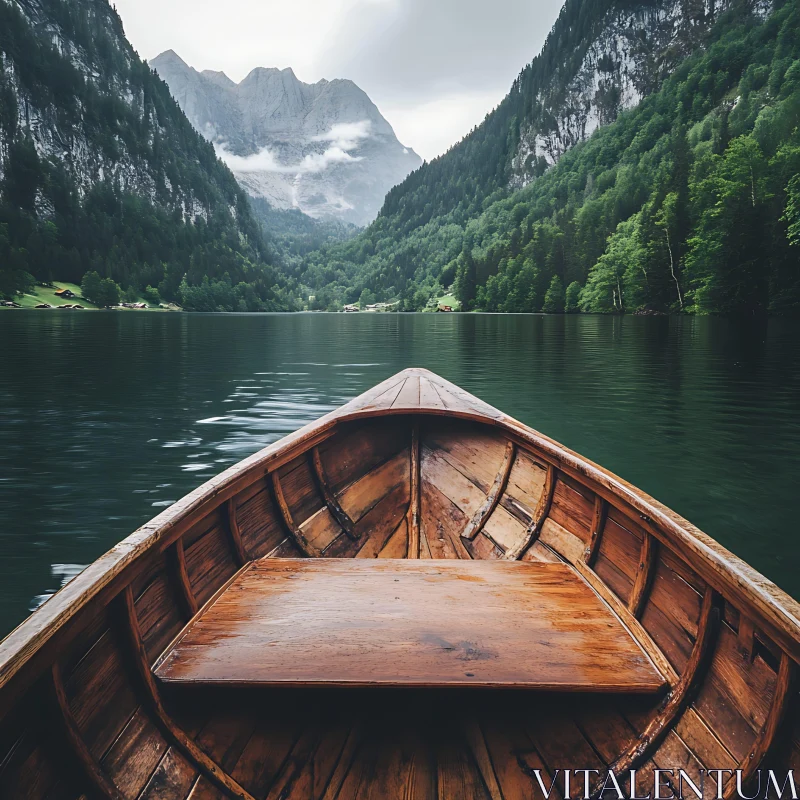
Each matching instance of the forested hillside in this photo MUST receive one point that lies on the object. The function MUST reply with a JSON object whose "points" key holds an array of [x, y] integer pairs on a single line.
{"points": [[624, 172], [101, 171]]}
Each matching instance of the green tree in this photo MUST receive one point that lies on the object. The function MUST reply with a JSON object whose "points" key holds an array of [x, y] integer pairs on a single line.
{"points": [[90, 287], [367, 298], [108, 293], [14, 277], [726, 251], [603, 291], [554, 297], [466, 283], [667, 220], [152, 296], [573, 297]]}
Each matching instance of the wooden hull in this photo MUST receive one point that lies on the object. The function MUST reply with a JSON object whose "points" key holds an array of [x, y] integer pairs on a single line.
{"points": [[415, 469]]}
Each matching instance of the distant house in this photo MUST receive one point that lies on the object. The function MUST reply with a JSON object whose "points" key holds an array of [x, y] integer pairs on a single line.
{"points": [[65, 294], [444, 308], [351, 308]]}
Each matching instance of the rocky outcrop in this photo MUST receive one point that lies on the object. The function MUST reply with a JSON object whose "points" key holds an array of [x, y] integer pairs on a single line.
{"points": [[323, 148], [630, 50], [89, 79]]}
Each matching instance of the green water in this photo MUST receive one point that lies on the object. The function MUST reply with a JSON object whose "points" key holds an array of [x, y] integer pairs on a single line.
{"points": [[107, 418]]}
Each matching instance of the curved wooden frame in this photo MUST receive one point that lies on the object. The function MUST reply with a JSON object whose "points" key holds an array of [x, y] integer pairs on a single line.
{"points": [[293, 530], [481, 516], [681, 694], [331, 501], [91, 768], [534, 530], [28, 652]]}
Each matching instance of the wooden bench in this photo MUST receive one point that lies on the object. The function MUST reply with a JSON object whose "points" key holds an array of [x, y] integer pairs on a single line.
{"points": [[353, 622]]}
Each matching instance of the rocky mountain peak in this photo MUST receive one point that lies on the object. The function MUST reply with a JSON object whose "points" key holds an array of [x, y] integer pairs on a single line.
{"points": [[323, 148]]}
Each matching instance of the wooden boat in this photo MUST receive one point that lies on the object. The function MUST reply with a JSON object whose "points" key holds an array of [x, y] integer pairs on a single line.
{"points": [[417, 597]]}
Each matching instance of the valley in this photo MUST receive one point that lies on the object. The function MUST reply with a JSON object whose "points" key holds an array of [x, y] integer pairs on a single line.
{"points": [[647, 160]]}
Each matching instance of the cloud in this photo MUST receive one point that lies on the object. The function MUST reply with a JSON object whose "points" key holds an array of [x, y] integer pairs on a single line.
{"points": [[346, 135], [342, 138]]}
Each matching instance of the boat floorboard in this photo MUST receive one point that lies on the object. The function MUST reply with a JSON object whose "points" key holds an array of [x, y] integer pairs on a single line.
{"points": [[344, 622]]}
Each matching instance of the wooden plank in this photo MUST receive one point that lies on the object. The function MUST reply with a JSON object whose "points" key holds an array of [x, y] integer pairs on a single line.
{"points": [[209, 562], [442, 523], [428, 396], [360, 447], [457, 774], [504, 529], [481, 516], [135, 755], [409, 395], [369, 623], [566, 544], [735, 698], [766, 738], [514, 758], [102, 698], [397, 545], [476, 451], [439, 472], [378, 525], [480, 753], [364, 501], [385, 399], [259, 522]]}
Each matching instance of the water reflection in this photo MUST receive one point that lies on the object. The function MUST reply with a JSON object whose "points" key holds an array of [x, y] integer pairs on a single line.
{"points": [[105, 419]]}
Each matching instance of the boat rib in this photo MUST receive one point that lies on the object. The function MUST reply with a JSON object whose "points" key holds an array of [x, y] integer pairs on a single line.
{"points": [[286, 515], [534, 529], [645, 744], [171, 730], [91, 768], [481, 516], [331, 501]]}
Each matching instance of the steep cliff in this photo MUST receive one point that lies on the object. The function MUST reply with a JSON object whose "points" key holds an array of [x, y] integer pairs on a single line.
{"points": [[625, 52], [322, 148], [99, 168]]}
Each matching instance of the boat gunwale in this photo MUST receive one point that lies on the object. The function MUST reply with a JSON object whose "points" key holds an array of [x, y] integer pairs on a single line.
{"points": [[776, 611]]}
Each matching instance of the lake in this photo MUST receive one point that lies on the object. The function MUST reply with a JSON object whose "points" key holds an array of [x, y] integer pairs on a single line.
{"points": [[106, 418]]}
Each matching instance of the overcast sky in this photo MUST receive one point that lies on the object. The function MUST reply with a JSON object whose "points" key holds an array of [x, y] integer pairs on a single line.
{"points": [[434, 68]]}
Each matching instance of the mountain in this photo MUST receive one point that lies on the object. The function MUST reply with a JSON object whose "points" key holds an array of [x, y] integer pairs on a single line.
{"points": [[322, 148], [647, 159], [101, 171]]}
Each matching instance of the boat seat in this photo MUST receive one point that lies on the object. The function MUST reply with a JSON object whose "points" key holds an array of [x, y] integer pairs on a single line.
{"points": [[414, 623]]}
